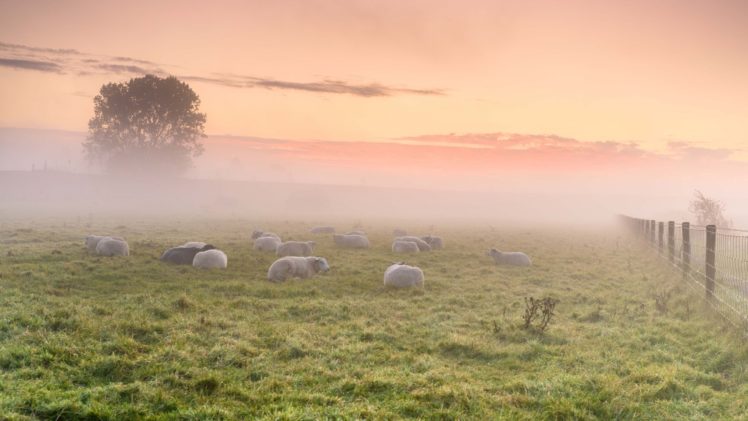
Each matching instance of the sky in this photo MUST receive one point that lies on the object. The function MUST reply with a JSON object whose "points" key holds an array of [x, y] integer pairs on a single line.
{"points": [[396, 92], [642, 71]]}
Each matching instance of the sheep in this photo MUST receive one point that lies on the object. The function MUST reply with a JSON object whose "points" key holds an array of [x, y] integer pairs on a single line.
{"points": [[514, 258], [267, 244], [194, 244], [296, 266], [109, 246], [93, 240], [323, 230], [210, 259], [295, 248], [397, 232], [259, 234], [183, 255], [357, 232], [436, 243], [422, 245], [351, 241], [402, 246], [400, 275]]}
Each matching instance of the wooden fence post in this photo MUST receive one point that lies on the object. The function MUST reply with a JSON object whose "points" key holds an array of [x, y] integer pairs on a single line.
{"points": [[671, 241], [686, 252], [652, 230], [710, 269], [660, 235]]}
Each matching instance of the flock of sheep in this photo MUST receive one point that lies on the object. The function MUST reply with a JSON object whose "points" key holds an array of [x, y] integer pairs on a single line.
{"points": [[295, 257]]}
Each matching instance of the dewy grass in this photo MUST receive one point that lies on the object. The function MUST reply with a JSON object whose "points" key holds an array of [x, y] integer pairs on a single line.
{"points": [[84, 337]]}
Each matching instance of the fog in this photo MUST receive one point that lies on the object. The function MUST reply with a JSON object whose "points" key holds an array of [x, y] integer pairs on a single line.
{"points": [[525, 181]]}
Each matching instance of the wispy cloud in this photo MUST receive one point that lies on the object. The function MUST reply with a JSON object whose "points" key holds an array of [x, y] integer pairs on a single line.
{"points": [[41, 66], [70, 61]]}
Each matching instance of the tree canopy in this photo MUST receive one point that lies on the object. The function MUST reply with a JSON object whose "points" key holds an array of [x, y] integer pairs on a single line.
{"points": [[708, 211], [148, 124]]}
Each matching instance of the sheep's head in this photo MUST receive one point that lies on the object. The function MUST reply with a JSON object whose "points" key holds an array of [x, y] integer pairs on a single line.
{"points": [[493, 252], [208, 247], [320, 264], [256, 234]]}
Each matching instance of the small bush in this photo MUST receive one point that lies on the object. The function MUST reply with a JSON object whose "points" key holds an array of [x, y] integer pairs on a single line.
{"points": [[540, 310]]}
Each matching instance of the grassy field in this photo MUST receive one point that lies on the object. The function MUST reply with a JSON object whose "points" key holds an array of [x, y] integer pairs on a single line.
{"points": [[84, 337]]}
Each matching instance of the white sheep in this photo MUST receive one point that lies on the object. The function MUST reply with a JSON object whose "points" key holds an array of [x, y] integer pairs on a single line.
{"points": [[267, 244], [295, 248], [422, 245], [351, 241], [296, 266], [514, 258], [93, 240], [259, 234], [402, 246], [401, 275], [323, 230], [356, 232], [436, 243], [194, 244], [109, 247], [210, 259]]}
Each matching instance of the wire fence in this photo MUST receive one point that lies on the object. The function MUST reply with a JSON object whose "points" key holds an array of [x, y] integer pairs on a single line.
{"points": [[713, 260]]}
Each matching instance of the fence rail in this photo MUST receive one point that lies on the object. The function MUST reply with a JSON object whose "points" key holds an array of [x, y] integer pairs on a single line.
{"points": [[713, 260]]}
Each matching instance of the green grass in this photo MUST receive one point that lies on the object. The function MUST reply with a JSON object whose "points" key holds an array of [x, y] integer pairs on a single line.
{"points": [[84, 337]]}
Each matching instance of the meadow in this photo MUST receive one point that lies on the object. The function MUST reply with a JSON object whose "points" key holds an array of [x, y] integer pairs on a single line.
{"points": [[86, 337]]}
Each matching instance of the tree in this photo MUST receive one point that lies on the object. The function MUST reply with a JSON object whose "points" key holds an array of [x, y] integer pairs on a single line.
{"points": [[708, 211], [148, 124]]}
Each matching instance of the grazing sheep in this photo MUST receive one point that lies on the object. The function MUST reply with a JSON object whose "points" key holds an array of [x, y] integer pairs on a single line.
{"points": [[514, 258], [183, 255], [267, 244], [210, 259], [397, 232], [422, 245], [259, 234], [93, 240], [357, 232], [351, 241], [194, 244], [109, 246], [402, 246], [322, 230], [296, 266], [295, 248], [436, 243], [401, 275]]}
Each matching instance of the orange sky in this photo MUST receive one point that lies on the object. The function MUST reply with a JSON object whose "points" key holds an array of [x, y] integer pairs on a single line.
{"points": [[374, 70]]}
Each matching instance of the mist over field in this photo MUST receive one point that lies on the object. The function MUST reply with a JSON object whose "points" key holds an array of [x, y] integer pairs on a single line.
{"points": [[525, 179]]}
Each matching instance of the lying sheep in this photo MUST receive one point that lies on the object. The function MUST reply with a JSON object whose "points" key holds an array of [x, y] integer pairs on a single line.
{"points": [[93, 240], [295, 248], [436, 243], [322, 230], [267, 244], [296, 266], [351, 241], [194, 244], [397, 232], [183, 255], [210, 259], [109, 246], [401, 275], [402, 246], [514, 258], [259, 234], [357, 232], [422, 245]]}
